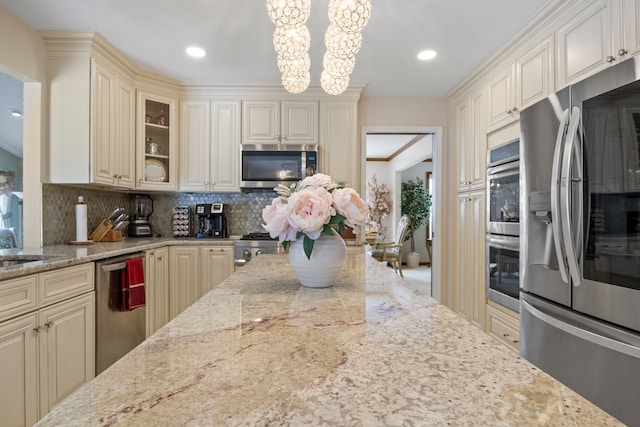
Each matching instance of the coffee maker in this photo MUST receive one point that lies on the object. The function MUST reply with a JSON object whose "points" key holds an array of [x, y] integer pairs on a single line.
{"points": [[212, 222], [141, 208]]}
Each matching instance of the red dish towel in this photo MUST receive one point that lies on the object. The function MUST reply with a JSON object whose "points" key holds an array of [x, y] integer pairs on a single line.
{"points": [[133, 285]]}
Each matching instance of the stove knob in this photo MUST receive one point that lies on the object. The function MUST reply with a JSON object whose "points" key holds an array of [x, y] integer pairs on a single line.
{"points": [[246, 254], [258, 252]]}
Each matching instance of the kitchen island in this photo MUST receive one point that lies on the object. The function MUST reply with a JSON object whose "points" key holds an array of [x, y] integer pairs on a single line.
{"points": [[259, 349]]}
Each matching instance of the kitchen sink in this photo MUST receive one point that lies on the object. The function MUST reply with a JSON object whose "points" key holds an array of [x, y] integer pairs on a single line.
{"points": [[9, 260]]}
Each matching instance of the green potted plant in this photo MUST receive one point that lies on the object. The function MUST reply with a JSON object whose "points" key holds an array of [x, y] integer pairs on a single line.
{"points": [[415, 202]]}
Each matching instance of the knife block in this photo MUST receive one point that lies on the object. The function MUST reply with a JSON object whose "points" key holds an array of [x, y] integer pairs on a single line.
{"points": [[112, 236]]}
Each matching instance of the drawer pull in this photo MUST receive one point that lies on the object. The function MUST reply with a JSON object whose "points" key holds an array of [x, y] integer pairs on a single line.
{"points": [[507, 336], [49, 324]]}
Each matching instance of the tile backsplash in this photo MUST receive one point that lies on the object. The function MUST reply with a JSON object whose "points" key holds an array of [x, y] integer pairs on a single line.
{"points": [[243, 211]]}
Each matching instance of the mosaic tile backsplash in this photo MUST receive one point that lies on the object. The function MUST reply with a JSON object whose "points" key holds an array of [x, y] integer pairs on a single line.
{"points": [[243, 211]]}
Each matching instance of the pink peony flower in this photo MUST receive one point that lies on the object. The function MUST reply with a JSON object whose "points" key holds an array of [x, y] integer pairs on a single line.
{"points": [[317, 180], [308, 210], [349, 204], [275, 216]]}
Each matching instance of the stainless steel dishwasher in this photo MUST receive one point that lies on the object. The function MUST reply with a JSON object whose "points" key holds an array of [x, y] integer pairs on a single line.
{"points": [[117, 332]]}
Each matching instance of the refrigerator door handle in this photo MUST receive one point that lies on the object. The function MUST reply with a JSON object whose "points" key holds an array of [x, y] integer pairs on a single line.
{"points": [[585, 334], [565, 195], [555, 197]]}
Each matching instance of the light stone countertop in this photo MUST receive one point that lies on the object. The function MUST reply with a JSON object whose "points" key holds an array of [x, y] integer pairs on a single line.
{"points": [[262, 350], [60, 256]]}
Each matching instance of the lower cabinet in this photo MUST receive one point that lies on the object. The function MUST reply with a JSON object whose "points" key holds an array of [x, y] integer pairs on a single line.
{"points": [[67, 348], [470, 257], [47, 351], [216, 264], [157, 288], [194, 271], [184, 278], [503, 325]]}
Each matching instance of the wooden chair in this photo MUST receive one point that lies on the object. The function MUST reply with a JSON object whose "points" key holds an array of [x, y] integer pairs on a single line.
{"points": [[391, 252]]}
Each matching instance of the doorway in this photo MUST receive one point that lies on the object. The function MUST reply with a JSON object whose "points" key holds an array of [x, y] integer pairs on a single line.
{"points": [[421, 143]]}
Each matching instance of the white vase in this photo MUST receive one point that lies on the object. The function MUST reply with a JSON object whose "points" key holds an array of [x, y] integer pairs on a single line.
{"points": [[413, 260], [325, 264]]}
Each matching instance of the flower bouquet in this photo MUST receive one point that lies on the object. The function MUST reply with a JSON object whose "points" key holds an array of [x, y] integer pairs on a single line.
{"points": [[311, 207]]}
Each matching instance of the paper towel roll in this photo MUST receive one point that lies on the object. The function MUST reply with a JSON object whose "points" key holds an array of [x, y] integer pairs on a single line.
{"points": [[81, 220]]}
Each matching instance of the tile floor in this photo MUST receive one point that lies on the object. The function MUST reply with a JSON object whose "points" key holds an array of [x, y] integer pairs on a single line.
{"points": [[418, 279]]}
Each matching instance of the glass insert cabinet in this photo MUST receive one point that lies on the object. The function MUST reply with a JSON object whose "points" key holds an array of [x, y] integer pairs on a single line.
{"points": [[156, 143]]}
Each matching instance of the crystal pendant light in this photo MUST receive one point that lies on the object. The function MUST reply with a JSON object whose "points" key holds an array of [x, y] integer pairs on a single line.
{"points": [[342, 45], [336, 66], [333, 85], [296, 83], [349, 16], [289, 13], [292, 43]]}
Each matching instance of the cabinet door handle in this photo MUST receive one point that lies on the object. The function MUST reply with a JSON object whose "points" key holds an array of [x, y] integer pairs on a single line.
{"points": [[140, 180], [38, 329], [49, 324], [160, 258], [610, 59], [283, 137], [514, 109], [507, 336], [622, 52]]}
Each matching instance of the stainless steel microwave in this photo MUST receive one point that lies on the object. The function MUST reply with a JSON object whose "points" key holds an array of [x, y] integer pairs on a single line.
{"points": [[264, 166]]}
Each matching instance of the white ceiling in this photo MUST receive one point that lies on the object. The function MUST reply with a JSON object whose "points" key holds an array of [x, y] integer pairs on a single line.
{"points": [[237, 34], [386, 146]]}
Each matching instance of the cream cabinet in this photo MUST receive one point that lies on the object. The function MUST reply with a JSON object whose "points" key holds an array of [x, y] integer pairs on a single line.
{"points": [[522, 83], [216, 264], [112, 131], [67, 348], [471, 141], [339, 149], [194, 271], [503, 325], [157, 146], [184, 278], [279, 122], [91, 114], [47, 348], [157, 288], [470, 294], [594, 37], [210, 145]]}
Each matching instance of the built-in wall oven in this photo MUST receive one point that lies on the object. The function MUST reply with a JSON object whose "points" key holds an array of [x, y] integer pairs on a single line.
{"points": [[503, 224]]}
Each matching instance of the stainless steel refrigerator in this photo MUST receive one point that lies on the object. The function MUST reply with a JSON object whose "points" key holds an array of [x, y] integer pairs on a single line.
{"points": [[580, 238]]}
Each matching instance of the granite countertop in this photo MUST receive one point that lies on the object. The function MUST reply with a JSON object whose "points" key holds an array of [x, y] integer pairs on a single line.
{"points": [[260, 349], [59, 256]]}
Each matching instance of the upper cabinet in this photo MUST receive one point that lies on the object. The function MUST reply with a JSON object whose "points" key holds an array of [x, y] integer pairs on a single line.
{"points": [[339, 149], [520, 84], [210, 146], [91, 112], [603, 33], [471, 140], [157, 145], [279, 122]]}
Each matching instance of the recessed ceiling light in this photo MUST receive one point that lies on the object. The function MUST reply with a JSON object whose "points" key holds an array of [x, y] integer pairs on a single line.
{"points": [[16, 113], [196, 52], [426, 55]]}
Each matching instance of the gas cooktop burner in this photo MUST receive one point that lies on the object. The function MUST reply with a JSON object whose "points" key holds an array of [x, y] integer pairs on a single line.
{"points": [[257, 236]]}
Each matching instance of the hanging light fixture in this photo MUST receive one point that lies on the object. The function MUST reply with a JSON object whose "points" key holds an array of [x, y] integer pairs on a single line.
{"points": [[349, 16], [291, 41], [289, 13]]}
